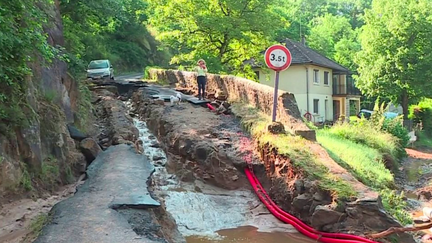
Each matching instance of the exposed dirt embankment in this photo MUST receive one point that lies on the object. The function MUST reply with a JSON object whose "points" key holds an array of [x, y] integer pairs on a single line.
{"points": [[199, 144], [302, 197], [204, 146]]}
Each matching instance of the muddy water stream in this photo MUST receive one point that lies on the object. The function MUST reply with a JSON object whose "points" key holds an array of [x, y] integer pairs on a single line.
{"points": [[207, 214]]}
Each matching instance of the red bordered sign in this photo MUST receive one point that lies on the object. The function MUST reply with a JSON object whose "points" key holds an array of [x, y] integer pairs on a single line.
{"points": [[278, 57]]}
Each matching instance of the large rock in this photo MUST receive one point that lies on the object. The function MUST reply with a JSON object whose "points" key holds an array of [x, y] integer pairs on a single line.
{"points": [[324, 215], [90, 148], [75, 133]]}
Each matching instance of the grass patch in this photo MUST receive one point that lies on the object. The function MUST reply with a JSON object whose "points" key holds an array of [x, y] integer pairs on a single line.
{"points": [[36, 226], [365, 133], [294, 147], [50, 95], [363, 162], [85, 106], [50, 171], [359, 149], [395, 204], [26, 179]]}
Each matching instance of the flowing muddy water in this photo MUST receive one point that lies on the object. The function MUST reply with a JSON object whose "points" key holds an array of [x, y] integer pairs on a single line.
{"points": [[207, 214]]}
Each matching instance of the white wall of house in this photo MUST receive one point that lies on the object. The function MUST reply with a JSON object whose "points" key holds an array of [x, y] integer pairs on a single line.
{"points": [[293, 80]]}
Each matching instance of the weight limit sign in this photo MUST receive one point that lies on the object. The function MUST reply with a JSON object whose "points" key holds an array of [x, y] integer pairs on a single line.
{"points": [[277, 58]]}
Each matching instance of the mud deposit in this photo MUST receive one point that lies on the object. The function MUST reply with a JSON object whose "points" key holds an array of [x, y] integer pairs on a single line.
{"points": [[205, 213]]}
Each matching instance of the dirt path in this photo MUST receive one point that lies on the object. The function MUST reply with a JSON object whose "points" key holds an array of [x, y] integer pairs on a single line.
{"points": [[17, 217]]}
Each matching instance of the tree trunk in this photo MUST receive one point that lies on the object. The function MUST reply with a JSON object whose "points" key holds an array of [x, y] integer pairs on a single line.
{"points": [[406, 122]]}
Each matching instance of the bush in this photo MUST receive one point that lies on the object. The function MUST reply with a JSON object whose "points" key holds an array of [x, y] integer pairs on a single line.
{"points": [[421, 114], [396, 128], [395, 204]]}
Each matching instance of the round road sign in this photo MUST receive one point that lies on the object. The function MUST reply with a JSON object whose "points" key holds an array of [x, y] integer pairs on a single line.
{"points": [[277, 57]]}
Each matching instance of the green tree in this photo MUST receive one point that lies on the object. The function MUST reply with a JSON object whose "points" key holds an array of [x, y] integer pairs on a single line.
{"points": [[224, 32], [109, 29], [396, 53], [334, 37]]}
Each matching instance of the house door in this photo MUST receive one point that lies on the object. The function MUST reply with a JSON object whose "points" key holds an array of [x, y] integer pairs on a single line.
{"points": [[336, 110]]}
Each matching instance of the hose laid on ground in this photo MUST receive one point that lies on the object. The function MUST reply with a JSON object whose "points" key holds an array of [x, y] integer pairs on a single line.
{"points": [[295, 222], [298, 224], [210, 107]]}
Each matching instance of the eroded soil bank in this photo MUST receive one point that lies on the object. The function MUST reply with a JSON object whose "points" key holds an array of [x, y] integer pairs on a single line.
{"points": [[203, 146], [207, 213]]}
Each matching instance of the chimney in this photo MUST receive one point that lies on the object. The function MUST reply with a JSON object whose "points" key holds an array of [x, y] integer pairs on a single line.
{"points": [[303, 40]]}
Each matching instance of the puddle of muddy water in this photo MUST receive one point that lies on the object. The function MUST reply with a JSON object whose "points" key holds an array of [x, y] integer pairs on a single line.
{"points": [[202, 215], [249, 234]]}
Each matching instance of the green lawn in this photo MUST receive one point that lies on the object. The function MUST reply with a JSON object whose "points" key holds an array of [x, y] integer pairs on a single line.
{"points": [[364, 162], [293, 147]]}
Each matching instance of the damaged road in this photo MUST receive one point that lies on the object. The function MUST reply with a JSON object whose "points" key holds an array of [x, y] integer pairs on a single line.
{"points": [[116, 179]]}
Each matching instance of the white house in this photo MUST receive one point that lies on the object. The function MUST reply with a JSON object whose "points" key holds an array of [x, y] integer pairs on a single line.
{"points": [[321, 86]]}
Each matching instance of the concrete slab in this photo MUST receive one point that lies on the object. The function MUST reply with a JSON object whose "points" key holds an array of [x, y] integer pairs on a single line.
{"points": [[119, 177]]}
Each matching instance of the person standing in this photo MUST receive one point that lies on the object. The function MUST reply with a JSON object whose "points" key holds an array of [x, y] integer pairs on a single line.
{"points": [[201, 70]]}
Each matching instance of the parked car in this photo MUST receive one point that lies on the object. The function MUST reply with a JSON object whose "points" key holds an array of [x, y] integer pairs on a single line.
{"points": [[368, 113], [100, 69]]}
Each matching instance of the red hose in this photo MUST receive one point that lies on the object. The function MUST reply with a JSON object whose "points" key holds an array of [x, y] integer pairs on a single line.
{"points": [[296, 223], [210, 107], [307, 227]]}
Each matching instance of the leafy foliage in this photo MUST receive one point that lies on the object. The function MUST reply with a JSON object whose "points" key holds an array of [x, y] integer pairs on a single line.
{"points": [[109, 29], [22, 38], [422, 115], [396, 51], [224, 33]]}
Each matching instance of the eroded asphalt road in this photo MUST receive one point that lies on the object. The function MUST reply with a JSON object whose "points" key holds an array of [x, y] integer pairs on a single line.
{"points": [[118, 177]]}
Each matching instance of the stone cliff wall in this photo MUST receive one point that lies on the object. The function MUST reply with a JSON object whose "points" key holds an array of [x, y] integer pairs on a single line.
{"points": [[42, 153], [243, 90]]}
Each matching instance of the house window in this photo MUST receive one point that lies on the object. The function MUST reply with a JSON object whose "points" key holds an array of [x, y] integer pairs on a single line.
{"points": [[326, 78], [316, 106], [257, 74], [316, 76]]}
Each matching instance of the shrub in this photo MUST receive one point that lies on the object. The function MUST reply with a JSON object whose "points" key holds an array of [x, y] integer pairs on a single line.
{"points": [[395, 204], [396, 128], [422, 114]]}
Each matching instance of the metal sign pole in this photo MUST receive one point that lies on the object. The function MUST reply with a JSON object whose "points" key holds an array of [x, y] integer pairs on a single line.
{"points": [[275, 96]]}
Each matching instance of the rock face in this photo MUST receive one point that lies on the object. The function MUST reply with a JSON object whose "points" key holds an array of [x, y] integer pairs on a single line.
{"points": [[27, 150], [242, 90]]}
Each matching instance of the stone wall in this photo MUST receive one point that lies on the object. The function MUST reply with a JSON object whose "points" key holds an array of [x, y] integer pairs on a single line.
{"points": [[243, 90]]}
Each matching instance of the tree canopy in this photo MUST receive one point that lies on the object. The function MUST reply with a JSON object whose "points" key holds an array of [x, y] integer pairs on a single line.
{"points": [[223, 32], [396, 53]]}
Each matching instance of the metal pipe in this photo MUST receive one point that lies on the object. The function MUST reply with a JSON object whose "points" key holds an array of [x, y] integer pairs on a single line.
{"points": [[275, 96]]}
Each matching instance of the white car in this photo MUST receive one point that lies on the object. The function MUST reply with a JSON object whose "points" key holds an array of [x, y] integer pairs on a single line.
{"points": [[368, 113], [100, 69]]}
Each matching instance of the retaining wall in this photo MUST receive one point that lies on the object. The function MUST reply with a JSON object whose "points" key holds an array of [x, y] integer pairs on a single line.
{"points": [[243, 90]]}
